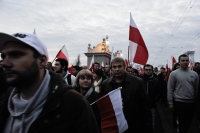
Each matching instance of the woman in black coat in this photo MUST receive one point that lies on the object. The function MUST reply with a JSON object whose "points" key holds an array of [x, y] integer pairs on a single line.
{"points": [[84, 85]]}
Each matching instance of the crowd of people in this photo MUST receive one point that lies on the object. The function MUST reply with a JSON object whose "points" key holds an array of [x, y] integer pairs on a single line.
{"points": [[38, 96]]}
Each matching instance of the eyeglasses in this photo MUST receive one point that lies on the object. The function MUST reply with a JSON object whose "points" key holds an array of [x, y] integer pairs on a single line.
{"points": [[119, 66]]}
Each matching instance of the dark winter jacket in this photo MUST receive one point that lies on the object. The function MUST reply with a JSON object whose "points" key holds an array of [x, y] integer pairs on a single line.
{"points": [[65, 111], [135, 102], [152, 88]]}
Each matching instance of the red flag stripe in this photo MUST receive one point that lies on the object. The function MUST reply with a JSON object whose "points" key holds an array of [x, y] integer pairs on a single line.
{"points": [[140, 56], [61, 55], [135, 36], [106, 110]]}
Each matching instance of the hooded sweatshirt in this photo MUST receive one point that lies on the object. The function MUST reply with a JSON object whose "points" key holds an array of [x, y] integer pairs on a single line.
{"points": [[24, 112]]}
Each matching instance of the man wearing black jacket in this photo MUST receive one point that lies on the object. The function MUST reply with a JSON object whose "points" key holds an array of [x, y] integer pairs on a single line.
{"points": [[39, 101], [136, 107], [152, 88]]}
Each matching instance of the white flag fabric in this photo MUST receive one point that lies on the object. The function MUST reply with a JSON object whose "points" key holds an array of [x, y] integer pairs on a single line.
{"points": [[137, 47], [91, 67], [63, 54], [112, 116]]}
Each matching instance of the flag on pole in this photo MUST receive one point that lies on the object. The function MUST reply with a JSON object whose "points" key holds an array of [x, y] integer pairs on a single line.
{"points": [[126, 63], [173, 61], [167, 73], [63, 54], [138, 50], [191, 66], [71, 69], [102, 65], [91, 67], [34, 32], [112, 116]]}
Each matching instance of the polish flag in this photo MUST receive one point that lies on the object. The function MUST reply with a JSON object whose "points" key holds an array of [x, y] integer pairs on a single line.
{"points": [[71, 69], [167, 73], [63, 54], [126, 62], [173, 61], [191, 66], [112, 116], [102, 65], [138, 50], [91, 67]]}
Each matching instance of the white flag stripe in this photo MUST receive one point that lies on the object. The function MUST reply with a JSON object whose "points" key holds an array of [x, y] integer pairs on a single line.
{"points": [[132, 49], [92, 61], [117, 106], [132, 23]]}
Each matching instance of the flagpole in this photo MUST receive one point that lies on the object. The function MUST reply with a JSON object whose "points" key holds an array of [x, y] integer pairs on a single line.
{"points": [[106, 95], [57, 54], [128, 55]]}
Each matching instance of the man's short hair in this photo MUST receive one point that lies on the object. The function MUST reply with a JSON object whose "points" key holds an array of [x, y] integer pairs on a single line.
{"points": [[77, 68], [196, 63], [148, 65], [97, 63], [183, 55], [118, 59], [63, 63], [162, 68]]}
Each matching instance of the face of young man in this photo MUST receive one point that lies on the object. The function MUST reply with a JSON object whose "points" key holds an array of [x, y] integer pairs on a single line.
{"points": [[75, 72], [148, 70], [184, 62], [107, 68], [130, 71], [57, 67], [118, 69], [96, 66], [20, 66]]}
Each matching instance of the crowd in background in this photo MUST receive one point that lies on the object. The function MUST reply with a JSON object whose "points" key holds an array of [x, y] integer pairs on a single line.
{"points": [[141, 91]]}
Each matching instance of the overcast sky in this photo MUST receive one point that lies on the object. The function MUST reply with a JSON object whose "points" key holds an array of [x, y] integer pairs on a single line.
{"points": [[168, 27]]}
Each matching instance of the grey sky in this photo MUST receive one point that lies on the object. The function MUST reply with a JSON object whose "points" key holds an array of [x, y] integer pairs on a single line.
{"points": [[79, 22]]}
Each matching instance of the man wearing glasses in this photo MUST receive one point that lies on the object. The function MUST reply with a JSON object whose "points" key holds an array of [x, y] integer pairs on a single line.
{"points": [[135, 101], [182, 89], [152, 89]]}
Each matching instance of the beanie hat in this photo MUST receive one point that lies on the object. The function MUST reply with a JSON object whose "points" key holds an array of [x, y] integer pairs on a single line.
{"points": [[29, 39], [98, 72]]}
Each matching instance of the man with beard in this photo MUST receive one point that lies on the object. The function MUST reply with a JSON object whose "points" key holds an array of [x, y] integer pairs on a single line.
{"points": [[61, 66], [136, 107], [152, 88], [181, 93], [38, 100]]}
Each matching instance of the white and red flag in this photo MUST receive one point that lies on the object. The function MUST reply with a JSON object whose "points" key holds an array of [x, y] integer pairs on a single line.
{"points": [[102, 65], [112, 116], [63, 54], [191, 65], [138, 50], [126, 63], [173, 61], [91, 67]]}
